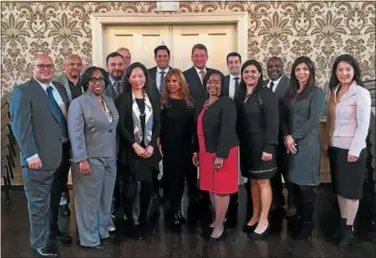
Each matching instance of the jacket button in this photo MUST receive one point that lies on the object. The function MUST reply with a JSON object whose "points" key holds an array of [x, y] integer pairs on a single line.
{"points": [[110, 131]]}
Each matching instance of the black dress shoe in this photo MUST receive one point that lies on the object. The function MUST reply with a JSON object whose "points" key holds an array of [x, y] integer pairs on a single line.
{"points": [[64, 210], [63, 237], [46, 251], [249, 229], [96, 247]]}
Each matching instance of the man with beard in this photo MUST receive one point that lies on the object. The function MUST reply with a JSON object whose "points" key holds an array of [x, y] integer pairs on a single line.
{"points": [[279, 84], [71, 80], [115, 68], [126, 54]]}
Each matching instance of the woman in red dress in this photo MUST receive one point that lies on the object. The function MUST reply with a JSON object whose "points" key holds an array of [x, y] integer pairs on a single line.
{"points": [[216, 149]]}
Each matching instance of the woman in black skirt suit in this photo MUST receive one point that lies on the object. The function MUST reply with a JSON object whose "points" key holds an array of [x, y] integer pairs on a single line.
{"points": [[177, 130], [139, 128], [347, 129], [258, 127]]}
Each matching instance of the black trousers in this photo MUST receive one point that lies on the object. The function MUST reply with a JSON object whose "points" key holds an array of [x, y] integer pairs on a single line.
{"points": [[58, 185], [305, 197], [276, 182]]}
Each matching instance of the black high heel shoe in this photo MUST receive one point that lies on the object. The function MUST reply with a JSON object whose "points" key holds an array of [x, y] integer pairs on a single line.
{"points": [[347, 237], [248, 228]]}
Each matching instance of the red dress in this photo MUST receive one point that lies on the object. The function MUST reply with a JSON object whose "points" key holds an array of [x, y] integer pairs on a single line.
{"points": [[223, 181]]}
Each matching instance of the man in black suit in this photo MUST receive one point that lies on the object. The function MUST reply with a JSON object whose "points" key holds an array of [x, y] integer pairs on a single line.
{"points": [[38, 118], [279, 84], [231, 89], [198, 200], [157, 74]]}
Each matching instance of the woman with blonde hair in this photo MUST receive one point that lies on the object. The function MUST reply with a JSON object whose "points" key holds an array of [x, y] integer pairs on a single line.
{"points": [[176, 140]]}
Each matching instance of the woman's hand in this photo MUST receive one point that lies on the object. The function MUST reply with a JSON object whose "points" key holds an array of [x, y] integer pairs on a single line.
{"points": [[290, 144], [266, 156], [325, 151], [85, 168], [218, 163], [148, 151], [195, 159], [352, 158], [139, 150], [160, 147]]}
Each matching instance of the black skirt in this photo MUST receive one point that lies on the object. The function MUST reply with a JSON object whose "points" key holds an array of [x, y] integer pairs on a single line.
{"points": [[347, 178], [252, 166]]}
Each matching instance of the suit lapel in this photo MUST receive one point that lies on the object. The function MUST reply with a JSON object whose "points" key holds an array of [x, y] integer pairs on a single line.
{"points": [[42, 95], [93, 101], [226, 86], [66, 86]]}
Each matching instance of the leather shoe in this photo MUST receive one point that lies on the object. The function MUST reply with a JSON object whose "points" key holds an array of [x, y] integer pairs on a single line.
{"points": [[46, 251], [96, 247], [63, 237]]}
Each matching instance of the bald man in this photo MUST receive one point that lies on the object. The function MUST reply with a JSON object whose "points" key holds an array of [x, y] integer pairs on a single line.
{"points": [[38, 118], [126, 54], [71, 80]]}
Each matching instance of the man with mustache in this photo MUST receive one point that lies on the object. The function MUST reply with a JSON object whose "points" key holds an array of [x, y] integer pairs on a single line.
{"points": [[71, 80], [279, 83], [38, 118]]}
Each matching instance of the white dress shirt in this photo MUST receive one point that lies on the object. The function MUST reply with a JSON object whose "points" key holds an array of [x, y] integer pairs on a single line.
{"points": [[276, 82], [232, 86], [158, 76], [199, 74]]}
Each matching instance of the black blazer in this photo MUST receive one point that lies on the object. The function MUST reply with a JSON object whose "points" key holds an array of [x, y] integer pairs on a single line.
{"points": [[282, 87], [153, 85], [226, 88], [196, 90], [125, 128], [219, 125]]}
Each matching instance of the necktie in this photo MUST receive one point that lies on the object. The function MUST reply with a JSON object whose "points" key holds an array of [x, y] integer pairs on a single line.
{"points": [[271, 85], [119, 89], [236, 82], [202, 75], [54, 104], [162, 73]]}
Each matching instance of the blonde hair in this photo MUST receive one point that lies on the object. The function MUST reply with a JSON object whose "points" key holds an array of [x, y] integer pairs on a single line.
{"points": [[183, 90]]}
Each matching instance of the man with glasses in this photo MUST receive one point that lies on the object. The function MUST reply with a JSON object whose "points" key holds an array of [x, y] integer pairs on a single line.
{"points": [[38, 118]]}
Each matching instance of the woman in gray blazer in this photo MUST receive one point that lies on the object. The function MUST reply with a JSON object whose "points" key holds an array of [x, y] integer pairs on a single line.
{"points": [[92, 123]]}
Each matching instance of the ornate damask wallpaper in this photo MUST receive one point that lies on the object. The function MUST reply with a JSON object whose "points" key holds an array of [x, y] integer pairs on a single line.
{"points": [[320, 30]]}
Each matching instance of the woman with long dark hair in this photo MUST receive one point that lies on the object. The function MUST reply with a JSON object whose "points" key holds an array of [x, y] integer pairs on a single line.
{"points": [[258, 132], [304, 104], [177, 119], [347, 130], [139, 128]]}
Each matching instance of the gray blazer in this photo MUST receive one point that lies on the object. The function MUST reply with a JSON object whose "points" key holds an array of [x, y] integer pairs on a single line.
{"points": [[35, 124], [62, 79], [90, 132]]}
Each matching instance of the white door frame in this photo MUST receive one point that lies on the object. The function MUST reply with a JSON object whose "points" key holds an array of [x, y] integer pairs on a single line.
{"points": [[99, 20]]}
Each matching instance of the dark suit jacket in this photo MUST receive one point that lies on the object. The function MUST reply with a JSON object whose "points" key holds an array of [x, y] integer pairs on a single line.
{"points": [[35, 125], [153, 85], [125, 128], [282, 87], [219, 125], [226, 88], [196, 89]]}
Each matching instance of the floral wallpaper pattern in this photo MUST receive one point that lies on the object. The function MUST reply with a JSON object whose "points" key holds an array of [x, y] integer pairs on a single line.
{"points": [[320, 30]]}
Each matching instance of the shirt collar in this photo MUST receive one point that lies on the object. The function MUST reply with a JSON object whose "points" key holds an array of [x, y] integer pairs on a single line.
{"points": [[199, 70], [45, 85], [276, 81], [233, 76], [160, 70]]}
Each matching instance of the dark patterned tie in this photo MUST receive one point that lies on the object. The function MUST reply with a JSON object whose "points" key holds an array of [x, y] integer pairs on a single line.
{"points": [[271, 85], [119, 89], [54, 104], [162, 73]]}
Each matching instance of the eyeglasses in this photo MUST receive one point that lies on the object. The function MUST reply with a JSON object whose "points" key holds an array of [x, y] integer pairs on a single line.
{"points": [[95, 80], [45, 66]]}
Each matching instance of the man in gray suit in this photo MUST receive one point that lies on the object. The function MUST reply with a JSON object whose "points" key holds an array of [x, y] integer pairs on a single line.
{"points": [[38, 122], [279, 83], [71, 80]]}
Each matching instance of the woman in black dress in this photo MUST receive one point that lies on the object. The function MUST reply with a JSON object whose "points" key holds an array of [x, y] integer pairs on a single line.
{"points": [[177, 119], [258, 129], [139, 128]]}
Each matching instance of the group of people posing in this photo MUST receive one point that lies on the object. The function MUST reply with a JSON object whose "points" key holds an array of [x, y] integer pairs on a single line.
{"points": [[203, 126]]}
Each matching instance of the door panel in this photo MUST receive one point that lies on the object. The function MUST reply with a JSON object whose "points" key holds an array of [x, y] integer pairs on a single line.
{"points": [[140, 40]]}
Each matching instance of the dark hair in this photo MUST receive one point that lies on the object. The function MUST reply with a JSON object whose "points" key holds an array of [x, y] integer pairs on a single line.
{"points": [[353, 63], [161, 47], [87, 75], [243, 86], [199, 46], [127, 86], [294, 84], [113, 54], [234, 54], [210, 73]]}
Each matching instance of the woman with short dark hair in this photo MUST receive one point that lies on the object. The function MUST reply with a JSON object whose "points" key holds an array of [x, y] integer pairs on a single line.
{"points": [[92, 123]]}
